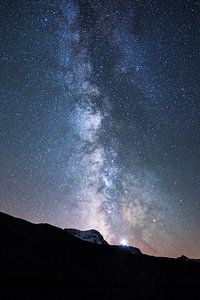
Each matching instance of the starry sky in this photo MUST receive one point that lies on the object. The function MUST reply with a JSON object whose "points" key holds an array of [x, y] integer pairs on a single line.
{"points": [[100, 118]]}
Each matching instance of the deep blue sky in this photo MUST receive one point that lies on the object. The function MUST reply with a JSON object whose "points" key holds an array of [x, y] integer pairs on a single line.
{"points": [[100, 118]]}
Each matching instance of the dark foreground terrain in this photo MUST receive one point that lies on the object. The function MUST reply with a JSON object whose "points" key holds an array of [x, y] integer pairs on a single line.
{"points": [[40, 261]]}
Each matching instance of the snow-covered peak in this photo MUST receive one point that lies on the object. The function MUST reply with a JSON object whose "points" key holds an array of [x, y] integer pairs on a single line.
{"points": [[91, 235], [94, 236]]}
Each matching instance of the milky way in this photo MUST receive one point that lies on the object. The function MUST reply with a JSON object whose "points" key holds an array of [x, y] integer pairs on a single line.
{"points": [[100, 119]]}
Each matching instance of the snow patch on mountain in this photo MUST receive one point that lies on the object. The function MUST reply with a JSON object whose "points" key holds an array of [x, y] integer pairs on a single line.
{"points": [[91, 235], [94, 236]]}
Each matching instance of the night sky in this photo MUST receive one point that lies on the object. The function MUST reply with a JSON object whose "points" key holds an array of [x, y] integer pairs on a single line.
{"points": [[100, 118]]}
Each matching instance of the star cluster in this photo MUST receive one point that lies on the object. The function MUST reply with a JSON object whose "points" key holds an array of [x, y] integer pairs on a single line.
{"points": [[100, 118]]}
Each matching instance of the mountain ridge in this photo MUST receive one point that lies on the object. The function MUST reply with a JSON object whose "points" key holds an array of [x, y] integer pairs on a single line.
{"points": [[49, 259]]}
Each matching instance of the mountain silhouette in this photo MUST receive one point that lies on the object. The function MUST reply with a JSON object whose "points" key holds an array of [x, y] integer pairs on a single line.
{"points": [[41, 261]]}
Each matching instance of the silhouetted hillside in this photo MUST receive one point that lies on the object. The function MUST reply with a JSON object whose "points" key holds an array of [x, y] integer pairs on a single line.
{"points": [[42, 261]]}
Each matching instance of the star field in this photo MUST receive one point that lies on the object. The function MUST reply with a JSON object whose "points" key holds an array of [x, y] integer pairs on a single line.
{"points": [[100, 119]]}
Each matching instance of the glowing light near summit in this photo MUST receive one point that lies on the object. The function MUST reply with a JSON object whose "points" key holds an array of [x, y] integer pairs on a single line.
{"points": [[123, 242]]}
